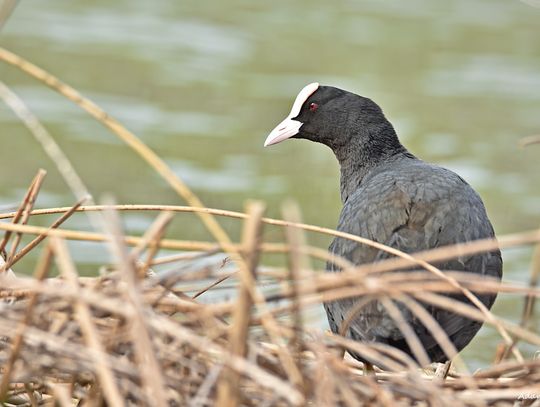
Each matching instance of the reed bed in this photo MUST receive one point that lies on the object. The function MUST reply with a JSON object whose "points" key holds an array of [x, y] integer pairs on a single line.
{"points": [[132, 335]]}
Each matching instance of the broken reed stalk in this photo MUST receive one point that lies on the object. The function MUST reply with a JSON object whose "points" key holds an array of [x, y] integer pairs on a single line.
{"points": [[229, 384], [470, 312], [23, 213], [26, 249], [84, 316], [434, 328], [298, 264], [40, 274], [62, 395], [150, 240], [528, 304], [49, 145], [408, 332], [527, 141], [530, 300], [210, 286], [145, 354]]}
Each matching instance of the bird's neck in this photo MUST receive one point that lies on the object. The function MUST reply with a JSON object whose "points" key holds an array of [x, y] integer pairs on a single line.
{"points": [[357, 161], [351, 177]]}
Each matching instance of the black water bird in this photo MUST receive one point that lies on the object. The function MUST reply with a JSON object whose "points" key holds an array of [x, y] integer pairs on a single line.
{"points": [[394, 198]]}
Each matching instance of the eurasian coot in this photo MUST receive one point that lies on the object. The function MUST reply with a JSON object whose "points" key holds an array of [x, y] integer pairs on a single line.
{"points": [[391, 197]]}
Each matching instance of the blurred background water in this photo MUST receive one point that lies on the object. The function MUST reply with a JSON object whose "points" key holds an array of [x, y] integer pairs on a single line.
{"points": [[202, 83]]}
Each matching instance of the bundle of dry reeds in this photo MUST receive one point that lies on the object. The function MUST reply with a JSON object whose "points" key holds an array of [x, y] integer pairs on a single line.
{"points": [[135, 336]]}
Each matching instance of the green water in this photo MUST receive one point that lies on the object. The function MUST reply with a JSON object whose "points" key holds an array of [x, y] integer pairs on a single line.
{"points": [[202, 83]]}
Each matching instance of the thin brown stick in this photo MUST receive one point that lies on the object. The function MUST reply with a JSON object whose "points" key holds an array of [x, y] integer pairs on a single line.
{"points": [[24, 251], [528, 303], [34, 191], [180, 257], [353, 312], [51, 148], [367, 351], [149, 367], [61, 394], [150, 234], [333, 287], [241, 365], [199, 400], [506, 367], [471, 312], [41, 272], [273, 329], [31, 395], [212, 285], [6, 9], [100, 237], [22, 210], [298, 262], [228, 386], [84, 316], [527, 141], [434, 328], [151, 239], [528, 307], [408, 333]]}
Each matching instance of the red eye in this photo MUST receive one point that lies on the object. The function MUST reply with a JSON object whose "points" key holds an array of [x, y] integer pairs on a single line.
{"points": [[313, 106]]}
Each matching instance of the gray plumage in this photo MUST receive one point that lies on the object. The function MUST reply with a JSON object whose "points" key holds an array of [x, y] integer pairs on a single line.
{"points": [[394, 198], [412, 206]]}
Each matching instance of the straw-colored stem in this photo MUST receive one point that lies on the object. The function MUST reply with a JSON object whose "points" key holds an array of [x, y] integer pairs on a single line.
{"points": [[149, 367], [28, 204], [23, 213], [433, 327], [471, 312], [151, 239], [408, 332], [84, 316], [40, 133], [229, 384], [26, 249], [61, 395], [527, 141], [298, 262], [41, 272]]}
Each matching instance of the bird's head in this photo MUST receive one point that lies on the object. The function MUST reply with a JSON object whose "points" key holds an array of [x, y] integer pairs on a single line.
{"points": [[336, 118]]}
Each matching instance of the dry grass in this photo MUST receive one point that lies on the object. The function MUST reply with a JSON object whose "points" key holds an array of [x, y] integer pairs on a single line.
{"points": [[134, 336]]}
